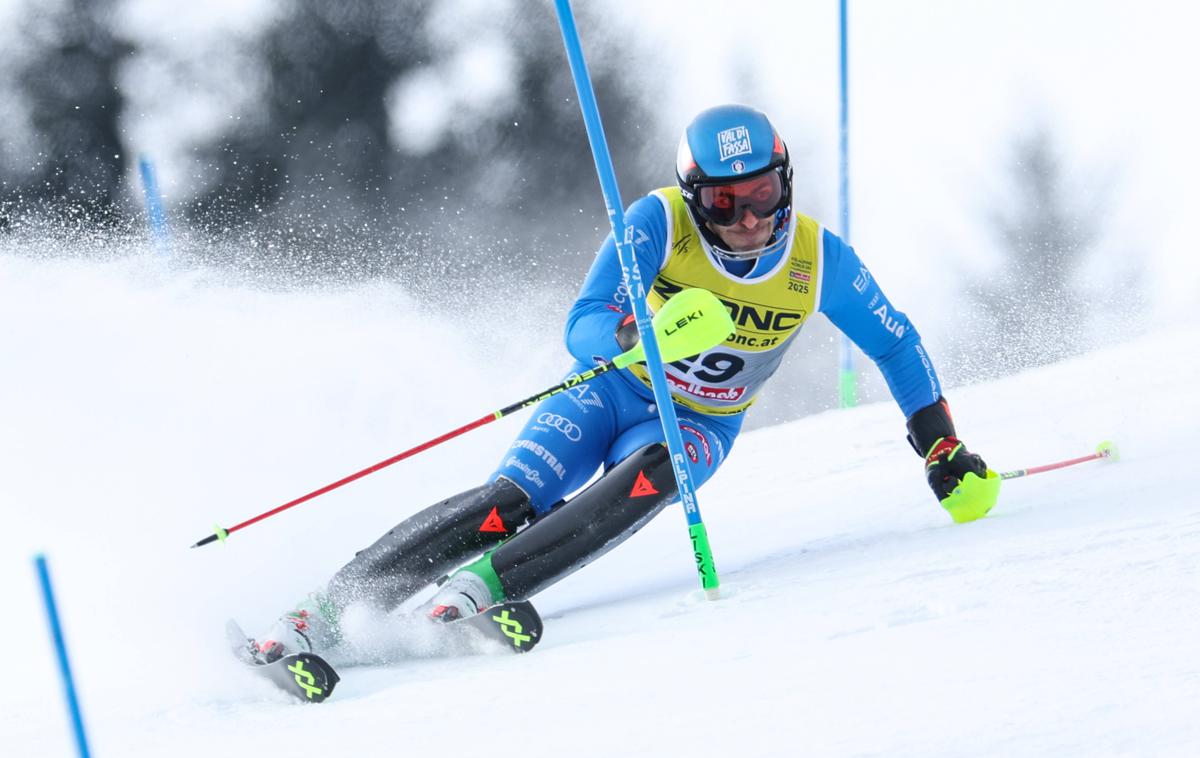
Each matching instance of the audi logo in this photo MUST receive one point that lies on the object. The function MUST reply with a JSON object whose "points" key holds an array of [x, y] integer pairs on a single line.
{"points": [[569, 430]]}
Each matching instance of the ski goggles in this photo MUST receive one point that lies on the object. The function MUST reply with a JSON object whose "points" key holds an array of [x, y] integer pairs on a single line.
{"points": [[723, 204]]}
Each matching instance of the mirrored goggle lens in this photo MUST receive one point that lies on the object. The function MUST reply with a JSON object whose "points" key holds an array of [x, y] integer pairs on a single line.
{"points": [[723, 204]]}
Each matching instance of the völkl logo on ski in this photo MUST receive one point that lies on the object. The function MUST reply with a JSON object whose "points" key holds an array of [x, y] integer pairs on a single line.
{"points": [[512, 628], [308, 683]]}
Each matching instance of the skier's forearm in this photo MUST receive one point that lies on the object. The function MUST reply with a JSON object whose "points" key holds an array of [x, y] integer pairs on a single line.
{"points": [[592, 332], [852, 299], [604, 300]]}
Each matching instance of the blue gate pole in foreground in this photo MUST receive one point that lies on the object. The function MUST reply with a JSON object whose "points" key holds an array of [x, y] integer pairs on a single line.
{"points": [[847, 377], [60, 648], [623, 236]]}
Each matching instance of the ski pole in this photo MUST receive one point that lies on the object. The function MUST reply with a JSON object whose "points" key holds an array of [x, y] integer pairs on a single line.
{"points": [[623, 239], [1105, 450], [688, 324]]}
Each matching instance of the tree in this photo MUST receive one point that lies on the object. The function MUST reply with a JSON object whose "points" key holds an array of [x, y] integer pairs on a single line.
{"points": [[324, 168], [318, 146], [70, 85]]}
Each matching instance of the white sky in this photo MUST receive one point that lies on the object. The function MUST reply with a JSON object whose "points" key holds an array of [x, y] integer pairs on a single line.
{"points": [[939, 88]]}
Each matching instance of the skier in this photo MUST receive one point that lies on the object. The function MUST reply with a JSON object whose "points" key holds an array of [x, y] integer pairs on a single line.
{"points": [[729, 227]]}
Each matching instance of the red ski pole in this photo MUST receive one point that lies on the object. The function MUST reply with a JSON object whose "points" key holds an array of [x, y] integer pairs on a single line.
{"points": [[1105, 450], [220, 534], [689, 323]]}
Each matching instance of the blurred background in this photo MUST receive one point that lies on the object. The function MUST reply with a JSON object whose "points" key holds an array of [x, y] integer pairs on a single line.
{"points": [[1023, 173]]}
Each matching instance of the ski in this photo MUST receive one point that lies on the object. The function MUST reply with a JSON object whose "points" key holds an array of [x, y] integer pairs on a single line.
{"points": [[513, 626], [306, 676]]}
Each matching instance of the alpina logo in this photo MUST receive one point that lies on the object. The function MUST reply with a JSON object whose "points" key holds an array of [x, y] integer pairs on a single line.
{"points": [[733, 142]]}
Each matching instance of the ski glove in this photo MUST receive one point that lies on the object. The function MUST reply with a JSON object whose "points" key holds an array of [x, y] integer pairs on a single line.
{"points": [[947, 463], [960, 479]]}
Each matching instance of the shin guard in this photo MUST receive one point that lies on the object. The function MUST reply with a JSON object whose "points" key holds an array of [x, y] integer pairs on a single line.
{"points": [[595, 521], [426, 545]]}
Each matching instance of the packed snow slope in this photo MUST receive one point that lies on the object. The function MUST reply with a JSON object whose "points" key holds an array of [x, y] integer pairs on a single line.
{"points": [[139, 405]]}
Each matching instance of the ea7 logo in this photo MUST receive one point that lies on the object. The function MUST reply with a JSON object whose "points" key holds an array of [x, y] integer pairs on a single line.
{"points": [[635, 236], [862, 280], [733, 142], [554, 421]]}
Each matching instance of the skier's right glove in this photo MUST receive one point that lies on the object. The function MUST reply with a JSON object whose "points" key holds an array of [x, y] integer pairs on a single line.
{"points": [[960, 479]]}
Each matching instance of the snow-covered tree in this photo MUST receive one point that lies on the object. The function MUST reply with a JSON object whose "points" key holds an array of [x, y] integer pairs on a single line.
{"points": [[67, 80]]}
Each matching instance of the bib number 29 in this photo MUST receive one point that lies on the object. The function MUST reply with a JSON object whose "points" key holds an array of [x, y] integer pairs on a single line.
{"points": [[712, 367]]}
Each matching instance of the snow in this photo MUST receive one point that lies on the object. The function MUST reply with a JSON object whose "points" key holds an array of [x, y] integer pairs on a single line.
{"points": [[141, 404]]}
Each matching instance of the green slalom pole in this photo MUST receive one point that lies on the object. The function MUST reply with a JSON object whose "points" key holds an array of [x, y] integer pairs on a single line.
{"points": [[623, 238], [691, 322]]}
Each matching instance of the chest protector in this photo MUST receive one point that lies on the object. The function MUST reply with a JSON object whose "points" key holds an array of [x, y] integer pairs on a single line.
{"points": [[768, 311]]}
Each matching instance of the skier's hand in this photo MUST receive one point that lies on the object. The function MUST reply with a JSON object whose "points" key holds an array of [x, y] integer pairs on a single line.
{"points": [[959, 478], [947, 462], [627, 333]]}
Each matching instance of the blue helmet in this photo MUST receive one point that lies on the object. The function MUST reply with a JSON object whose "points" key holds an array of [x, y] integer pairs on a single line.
{"points": [[721, 149]]}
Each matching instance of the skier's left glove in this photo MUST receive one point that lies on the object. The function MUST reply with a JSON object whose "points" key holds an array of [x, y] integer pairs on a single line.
{"points": [[960, 479]]}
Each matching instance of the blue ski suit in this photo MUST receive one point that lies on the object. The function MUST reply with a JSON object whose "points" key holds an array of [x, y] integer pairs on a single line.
{"points": [[600, 422]]}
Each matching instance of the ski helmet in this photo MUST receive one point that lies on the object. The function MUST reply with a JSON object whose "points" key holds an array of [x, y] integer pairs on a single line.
{"points": [[730, 161]]}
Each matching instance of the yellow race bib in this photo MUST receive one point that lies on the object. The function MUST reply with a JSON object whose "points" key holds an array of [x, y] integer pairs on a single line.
{"points": [[767, 310]]}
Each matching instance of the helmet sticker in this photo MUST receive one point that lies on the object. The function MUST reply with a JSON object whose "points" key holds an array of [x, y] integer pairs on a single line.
{"points": [[733, 142], [718, 150]]}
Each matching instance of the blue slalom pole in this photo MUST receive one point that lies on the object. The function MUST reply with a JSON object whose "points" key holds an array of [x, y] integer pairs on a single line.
{"points": [[60, 647], [155, 216], [847, 377], [623, 236]]}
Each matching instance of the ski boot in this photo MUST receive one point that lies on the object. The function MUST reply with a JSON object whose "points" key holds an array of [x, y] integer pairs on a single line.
{"points": [[310, 628], [464, 594]]}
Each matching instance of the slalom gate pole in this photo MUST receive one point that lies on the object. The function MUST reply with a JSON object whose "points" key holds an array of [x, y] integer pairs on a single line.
{"points": [[847, 375], [155, 216], [1105, 450], [60, 649], [691, 322], [623, 237]]}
